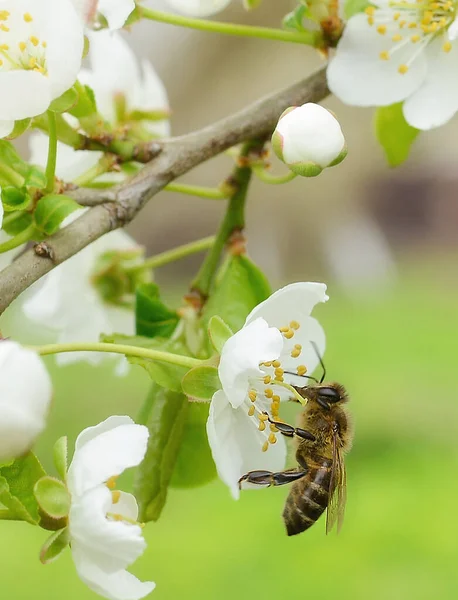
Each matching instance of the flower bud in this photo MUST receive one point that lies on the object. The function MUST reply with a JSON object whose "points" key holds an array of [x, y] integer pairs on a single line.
{"points": [[308, 139], [25, 396]]}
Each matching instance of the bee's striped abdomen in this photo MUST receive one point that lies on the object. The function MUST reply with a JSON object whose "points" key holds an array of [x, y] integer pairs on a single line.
{"points": [[308, 498]]}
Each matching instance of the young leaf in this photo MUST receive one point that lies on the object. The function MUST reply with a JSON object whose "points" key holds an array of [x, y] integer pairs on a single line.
{"points": [[51, 210], [153, 318], [65, 102], [201, 383], [54, 546], [219, 332], [19, 224], [53, 497], [294, 20], [194, 465], [86, 104], [15, 199], [394, 134], [166, 424], [35, 177]]}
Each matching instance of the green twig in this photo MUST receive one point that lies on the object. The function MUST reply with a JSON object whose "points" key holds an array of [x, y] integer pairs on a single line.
{"points": [[52, 152]]}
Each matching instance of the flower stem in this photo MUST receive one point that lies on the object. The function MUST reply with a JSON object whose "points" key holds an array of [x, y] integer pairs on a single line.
{"points": [[234, 220], [262, 174], [19, 239], [164, 258], [52, 151], [311, 38], [196, 190], [88, 177], [174, 359]]}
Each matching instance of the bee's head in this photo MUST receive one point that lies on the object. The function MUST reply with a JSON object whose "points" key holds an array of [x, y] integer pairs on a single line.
{"points": [[326, 395]]}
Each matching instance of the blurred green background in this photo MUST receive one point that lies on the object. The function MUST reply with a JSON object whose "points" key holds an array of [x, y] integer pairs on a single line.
{"points": [[396, 356]]}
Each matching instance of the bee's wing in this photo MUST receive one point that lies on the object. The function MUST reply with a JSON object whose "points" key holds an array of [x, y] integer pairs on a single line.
{"points": [[337, 488]]}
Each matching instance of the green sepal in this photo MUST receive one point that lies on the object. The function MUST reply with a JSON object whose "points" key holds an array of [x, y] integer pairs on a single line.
{"points": [[14, 198], [166, 422], [65, 102], [295, 19], [60, 455], [201, 383], [219, 332], [305, 169], [17, 481], [54, 546], [195, 465], [394, 134], [54, 501], [353, 7], [152, 317], [86, 105], [241, 286], [51, 210], [18, 225], [20, 127], [112, 277]]}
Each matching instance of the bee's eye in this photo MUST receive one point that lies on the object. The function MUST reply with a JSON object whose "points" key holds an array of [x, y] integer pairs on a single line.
{"points": [[329, 394]]}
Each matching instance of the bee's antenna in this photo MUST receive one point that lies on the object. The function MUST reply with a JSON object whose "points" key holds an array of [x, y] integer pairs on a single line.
{"points": [[315, 347], [305, 376]]}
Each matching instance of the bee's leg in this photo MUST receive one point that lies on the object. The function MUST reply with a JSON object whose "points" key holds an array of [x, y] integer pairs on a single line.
{"points": [[291, 431], [269, 478]]}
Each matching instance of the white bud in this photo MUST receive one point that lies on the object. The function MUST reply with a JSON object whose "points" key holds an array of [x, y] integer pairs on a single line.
{"points": [[25, 396], [199, 8], [308, 139]]}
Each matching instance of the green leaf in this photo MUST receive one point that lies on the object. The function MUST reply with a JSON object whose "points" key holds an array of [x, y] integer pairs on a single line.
{"points": [[17, 482], [219, 332], [394, 134], [18, 225], [166, 425], [15, 199], [20, 127], [240, 288], [60, 454], [54, 546], [35, 177], [51, 210], [53, 497], [201, 383], [294, 19], [86, 104], [194, 465], [153, 318], [65, 102]]}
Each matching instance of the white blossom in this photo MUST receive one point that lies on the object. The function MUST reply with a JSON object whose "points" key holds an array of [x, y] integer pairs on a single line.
{"points": [[105, 536], [25, 397], [114, 11], [401, 52], [273, 346], [199, 8], [308, 138], [41, 45]]}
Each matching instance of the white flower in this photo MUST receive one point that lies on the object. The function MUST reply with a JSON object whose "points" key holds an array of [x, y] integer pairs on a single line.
{"points": [[273, 345], [105, 537], [199, 8], [66, 303], [25, 397], [308, 138], [114, 11], [140, 88], [401, 52], [41, 43]]}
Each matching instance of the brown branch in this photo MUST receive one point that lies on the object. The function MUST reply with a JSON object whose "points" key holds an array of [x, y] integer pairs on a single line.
{"points": [[117, 206]]}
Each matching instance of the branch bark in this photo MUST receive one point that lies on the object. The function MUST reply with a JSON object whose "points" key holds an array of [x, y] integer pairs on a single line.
{"points": [[117, 206]]}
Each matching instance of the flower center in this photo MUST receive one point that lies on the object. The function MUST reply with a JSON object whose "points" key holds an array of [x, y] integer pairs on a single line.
{"points": [[20, 49], [412, 23]]}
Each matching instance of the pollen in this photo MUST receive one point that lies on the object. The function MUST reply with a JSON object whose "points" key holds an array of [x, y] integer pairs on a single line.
{"points": [[35, 41], [22, 46], [251, 411], [28, 17], [32, 62], [111, 483], [413, 25], [267, 379], [278, 372], [415, 38], [396, 16], [273, 428], [276, 364], [289, 334], [252, 395], [301, 370], [402, 69], [272, 438], [268, 392], [261, 426], [44, 43], [284, 329], [4, 47], [268, 364], [381, 29], [370, 20], [397, 37], [370, 10], [294, 325], [265, 446], [263, 417], [4, 15], [115, 496], [295, 353], [447, 47], [275, 398], [385, 55], [1, 62], [4, 27]]}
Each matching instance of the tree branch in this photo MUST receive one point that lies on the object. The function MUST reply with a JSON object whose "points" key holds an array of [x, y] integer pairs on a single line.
{"points": [[114, 207]]}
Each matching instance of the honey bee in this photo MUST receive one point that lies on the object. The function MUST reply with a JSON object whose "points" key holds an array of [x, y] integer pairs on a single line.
{"points": [[319, 481]]}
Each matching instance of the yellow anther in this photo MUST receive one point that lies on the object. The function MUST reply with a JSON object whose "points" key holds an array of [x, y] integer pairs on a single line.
{"points": [[267, 379], [298, 347], [115, 496], [111, 483], [4, 14], [294, 325], [28, 17], [413, 25], [295, 353], [385, 55], [275, 398], [397, 37], [32, 62], [35, 41], [396, 16], [1, 62], [402, 69], [4, 47], [427, 17], [370, 10], [278, 372], [442, 22], [273, 428], [447, 47], [370, 20], [22, 46], [263, 417], [402, 24], [261, 426], [381, 29], [280, 378], [289, 334], [284, 329], [267, 364], [251, 411], [276, 363], [415, 38], [301, 370], [3, 27], [44, 44], [252, 395], [268, 392], [272, 438], [265, 446]]}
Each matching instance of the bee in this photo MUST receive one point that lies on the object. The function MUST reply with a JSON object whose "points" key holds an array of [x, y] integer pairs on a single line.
{"points": [[319, 481]]}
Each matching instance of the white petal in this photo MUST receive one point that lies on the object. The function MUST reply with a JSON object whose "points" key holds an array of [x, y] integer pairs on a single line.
{"points": [[6, 127], [152, 95], [236, 443], [116, 448], [116, 11], [199, 8], [310, 331], [110, 544], [25, 397], [358, 76], [115, 586], [126, 506], [453, 31], [241, 355], [23, 94], [436, 101], [86, 9]]}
